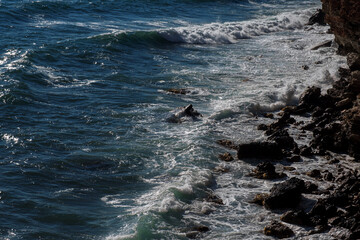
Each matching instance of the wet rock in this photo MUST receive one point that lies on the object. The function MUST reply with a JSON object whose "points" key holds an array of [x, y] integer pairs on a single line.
{"points": [[259, 199], [294, 158], [310, 187], [306, 151], [269, 115], [353, 60], [283, 139], [286, 194], [201, 228], [277, 229], [226, 157], [295, 217], [310, 98], [322, 45], [318, 17], [329, 177], [260, 150], [192, 234], [178, 91], [344, 104], [262, 127], [187, 112], [315, 173], [214, 199], [221, 169], [227, 143], [266, 170]]}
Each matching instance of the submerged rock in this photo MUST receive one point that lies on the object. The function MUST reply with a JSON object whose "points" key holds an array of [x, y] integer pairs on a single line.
{"points": [[187, 112], [178, 91], [277, 229]]}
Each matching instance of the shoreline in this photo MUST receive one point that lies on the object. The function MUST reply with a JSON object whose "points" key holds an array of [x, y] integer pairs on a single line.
{"points": [[316, 201]]}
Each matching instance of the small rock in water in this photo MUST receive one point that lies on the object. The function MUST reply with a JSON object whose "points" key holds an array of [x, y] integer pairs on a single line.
{"points": [[178, 91], [305, 67], [184, 113], [295, 217], [227, 143], [277, 229], [226, 157], [322, 45]]}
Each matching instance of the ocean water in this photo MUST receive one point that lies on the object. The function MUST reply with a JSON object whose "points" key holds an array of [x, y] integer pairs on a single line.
{"points": [[85, 148]]}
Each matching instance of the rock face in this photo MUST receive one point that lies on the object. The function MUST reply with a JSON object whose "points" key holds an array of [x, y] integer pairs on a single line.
{"points": [[344, 19]]}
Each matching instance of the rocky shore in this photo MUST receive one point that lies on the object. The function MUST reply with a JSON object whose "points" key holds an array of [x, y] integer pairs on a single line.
{"points": [[333, 123]]}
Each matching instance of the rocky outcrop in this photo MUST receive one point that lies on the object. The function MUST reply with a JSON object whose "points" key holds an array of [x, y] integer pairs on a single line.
{"points": [[344, 19]]}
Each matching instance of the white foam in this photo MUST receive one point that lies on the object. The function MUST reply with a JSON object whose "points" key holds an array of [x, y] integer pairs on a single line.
{"points": [[230, 32]]}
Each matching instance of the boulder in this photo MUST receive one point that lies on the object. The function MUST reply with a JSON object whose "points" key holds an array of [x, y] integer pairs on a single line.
{"points": [[318, 17], [322, 45], [279, 230], [285, 195]]}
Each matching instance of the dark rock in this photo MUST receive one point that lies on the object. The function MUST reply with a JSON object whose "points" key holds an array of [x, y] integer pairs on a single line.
{"points": [[276, 229], [178, 91], [306, 151], [310, 98], [187, 112], [226, 157], [310, 187], [344, 104], [214, 199], [322, 45], [259, 199], [266, 170], [262, 127], [295, 217], [262, 150], [318, 17], [227, 143], [269, 115], [315, 173], [329, 177], [294, 158], [305, 67], [201, 228], [285, 194], [353, 60], [192, 234]]}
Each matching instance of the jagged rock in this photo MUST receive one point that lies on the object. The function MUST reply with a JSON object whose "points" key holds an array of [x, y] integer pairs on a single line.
{"points": [[214, 199], [266, 170], [310, 187], [310, 98], [178, 91], [318, 17], [294, 158], [315, 173], [295, 217], [226, 157], [262, 150], [285, 194], [187, 112], [259, 198], [343, 18], [277, 229], [306, 151], [227, 143]]}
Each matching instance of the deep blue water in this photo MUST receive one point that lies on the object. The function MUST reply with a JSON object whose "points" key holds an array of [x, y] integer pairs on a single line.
{"points": [[85, 151]]}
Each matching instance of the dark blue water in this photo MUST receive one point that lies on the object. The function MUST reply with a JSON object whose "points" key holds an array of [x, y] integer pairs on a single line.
{"points": [[85, 151]]}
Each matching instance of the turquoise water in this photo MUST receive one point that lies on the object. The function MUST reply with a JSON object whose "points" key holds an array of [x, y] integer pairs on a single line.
{"points": [[86, 151]]}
